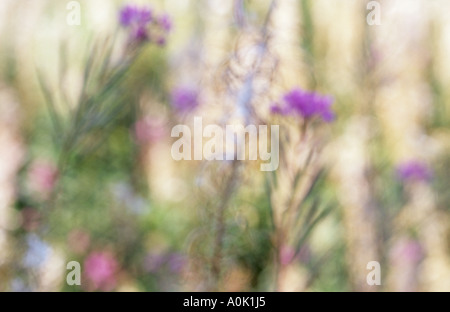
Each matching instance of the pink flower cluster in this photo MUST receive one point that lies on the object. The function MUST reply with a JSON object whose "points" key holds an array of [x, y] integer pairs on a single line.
{"points": [[101, 270]]}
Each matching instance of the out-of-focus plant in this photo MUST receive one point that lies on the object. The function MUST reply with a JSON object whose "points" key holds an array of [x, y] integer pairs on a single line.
{"points": [[221, 182], [81, 127], [295, 211], [85, 129]]}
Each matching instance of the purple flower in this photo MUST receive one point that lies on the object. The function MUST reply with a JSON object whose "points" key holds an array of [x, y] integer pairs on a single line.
{"points": [[276, 109], [143, 25], [127, 15], [305, 104], [131, 15], [140, 34], [414, 171], [144, 16], [184, 99], [137, 19], [161, 41], [165, 22]]}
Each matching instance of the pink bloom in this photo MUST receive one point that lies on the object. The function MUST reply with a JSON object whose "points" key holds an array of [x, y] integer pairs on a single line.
{"points": [[100, 269], [149, 129], [43, 177], [407, 251], [287, 255]]}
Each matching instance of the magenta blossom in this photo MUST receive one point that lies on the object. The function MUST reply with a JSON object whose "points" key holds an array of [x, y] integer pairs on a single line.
{"points": [[414, 171], [101, 269], [306, 104], [184, 99]]}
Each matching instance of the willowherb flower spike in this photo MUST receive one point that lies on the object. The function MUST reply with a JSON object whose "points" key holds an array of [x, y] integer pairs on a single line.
{"points": [[298, 102]]}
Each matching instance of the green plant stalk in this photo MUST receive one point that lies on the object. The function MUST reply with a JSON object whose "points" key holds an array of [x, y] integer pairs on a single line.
{"points": [[216, 263]]}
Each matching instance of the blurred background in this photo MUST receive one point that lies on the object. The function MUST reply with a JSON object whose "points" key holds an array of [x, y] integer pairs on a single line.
{"points": [[101, 188]]}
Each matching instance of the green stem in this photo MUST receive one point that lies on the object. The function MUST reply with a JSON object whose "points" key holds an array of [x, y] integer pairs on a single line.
{"points": [[216, 265]]}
